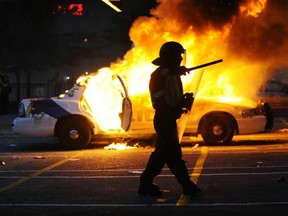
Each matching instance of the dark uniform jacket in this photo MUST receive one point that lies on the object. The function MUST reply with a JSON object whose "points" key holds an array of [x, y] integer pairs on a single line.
{"points": [[166, 92]]}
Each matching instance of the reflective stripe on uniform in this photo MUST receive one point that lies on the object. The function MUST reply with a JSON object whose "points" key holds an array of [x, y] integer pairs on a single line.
{"points": [[159, 94], [175, 91], [171, 89]]}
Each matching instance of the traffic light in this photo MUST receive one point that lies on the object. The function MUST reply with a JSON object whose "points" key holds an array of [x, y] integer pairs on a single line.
{"points": [[115, 4]]}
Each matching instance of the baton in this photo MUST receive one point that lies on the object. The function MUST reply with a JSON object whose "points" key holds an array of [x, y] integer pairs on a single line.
{"points": [[205, 65]]}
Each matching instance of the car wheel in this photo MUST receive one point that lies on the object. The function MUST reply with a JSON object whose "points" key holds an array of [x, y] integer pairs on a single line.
{"points": [[217, 129], [74, 134]]}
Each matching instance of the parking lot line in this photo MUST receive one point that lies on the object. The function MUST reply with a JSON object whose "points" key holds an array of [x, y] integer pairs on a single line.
{"points": [[37, 173], [184, 199]]}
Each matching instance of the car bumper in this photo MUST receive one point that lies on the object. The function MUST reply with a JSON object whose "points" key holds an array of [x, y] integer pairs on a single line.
{"points": [[43, 127], [254, 124]]}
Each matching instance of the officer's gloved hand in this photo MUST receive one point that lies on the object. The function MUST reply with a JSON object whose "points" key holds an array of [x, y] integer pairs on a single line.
{"points": [[179, 113], [187, 102], [183, 70]]}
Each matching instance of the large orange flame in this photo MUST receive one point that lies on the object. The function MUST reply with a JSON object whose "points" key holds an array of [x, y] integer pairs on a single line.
{"points": [[228, 81], [104, 97]]}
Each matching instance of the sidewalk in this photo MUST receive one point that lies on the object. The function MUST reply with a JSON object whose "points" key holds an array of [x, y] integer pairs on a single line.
{"points": [[6, 123]]}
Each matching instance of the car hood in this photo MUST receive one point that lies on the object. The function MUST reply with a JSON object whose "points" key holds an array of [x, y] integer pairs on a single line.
{"points": [[225, 102]]}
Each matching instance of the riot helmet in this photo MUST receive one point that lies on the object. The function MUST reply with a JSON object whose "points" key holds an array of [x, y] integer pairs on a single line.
{"points": [[169, 53]]}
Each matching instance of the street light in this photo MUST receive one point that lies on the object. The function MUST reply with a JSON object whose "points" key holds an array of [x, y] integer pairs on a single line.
{"points": [[112, 4]]}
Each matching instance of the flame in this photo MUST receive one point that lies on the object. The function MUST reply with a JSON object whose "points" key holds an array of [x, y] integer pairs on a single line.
{"points": [[119, 146], [253, 7], [208, 32], [104, 97]]}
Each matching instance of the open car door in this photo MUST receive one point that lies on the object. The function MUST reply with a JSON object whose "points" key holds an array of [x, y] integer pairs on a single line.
{"points": [[126, 115]]}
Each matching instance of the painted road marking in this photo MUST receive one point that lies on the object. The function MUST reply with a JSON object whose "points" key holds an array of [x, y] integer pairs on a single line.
{"points": [[139, 171], [137, 176], [223, 204], [37, 173], [184, 199]]}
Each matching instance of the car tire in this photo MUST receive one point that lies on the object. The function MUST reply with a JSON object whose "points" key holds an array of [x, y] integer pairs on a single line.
{"points": [[74, 134], [217, 129]]}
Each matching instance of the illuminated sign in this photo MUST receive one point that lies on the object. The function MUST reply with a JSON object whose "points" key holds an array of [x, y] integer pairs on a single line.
{"points": [[75, 9]]}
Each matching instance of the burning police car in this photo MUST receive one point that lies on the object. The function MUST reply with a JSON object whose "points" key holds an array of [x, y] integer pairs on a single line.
{"points": [[99, 105], [217, 122], [75, 117]]}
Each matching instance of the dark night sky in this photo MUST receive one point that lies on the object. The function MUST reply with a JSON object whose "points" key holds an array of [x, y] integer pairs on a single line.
{"points": [[34, 38], [38, 37]]}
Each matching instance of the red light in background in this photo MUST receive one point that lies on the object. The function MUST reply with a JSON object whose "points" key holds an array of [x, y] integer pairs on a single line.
{"points": [[77, 9], [74, 9]]}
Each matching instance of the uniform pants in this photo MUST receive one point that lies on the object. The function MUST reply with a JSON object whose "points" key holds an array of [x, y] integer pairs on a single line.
{"points": [[167, 151]]}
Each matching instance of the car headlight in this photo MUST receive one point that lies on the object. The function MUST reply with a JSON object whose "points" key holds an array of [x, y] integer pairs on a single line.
{"points": [[21, 110]]}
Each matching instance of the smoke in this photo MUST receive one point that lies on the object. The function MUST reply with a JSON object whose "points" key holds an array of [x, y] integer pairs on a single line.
{"points": [[249, 35], [263, 38], [199, 14], [252, 35], [260, 37]]}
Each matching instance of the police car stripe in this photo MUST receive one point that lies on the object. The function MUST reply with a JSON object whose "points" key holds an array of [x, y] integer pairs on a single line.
{"points": [[50, 107]]}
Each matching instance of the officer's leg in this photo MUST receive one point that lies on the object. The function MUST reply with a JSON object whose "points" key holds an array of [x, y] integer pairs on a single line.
{"points": [[154, 167], [156, 161], [179, 169]]}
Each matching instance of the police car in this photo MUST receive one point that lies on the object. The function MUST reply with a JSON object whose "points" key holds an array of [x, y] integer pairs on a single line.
{"points": [[217, 122], [72, 118], [75, 118]]}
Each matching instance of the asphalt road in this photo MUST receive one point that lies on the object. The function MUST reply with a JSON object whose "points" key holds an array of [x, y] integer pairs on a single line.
{"points": [[37, 177], [245, 179]]}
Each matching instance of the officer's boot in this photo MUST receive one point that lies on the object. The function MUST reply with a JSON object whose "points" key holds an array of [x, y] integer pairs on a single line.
{"points": [[153, 168]]}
